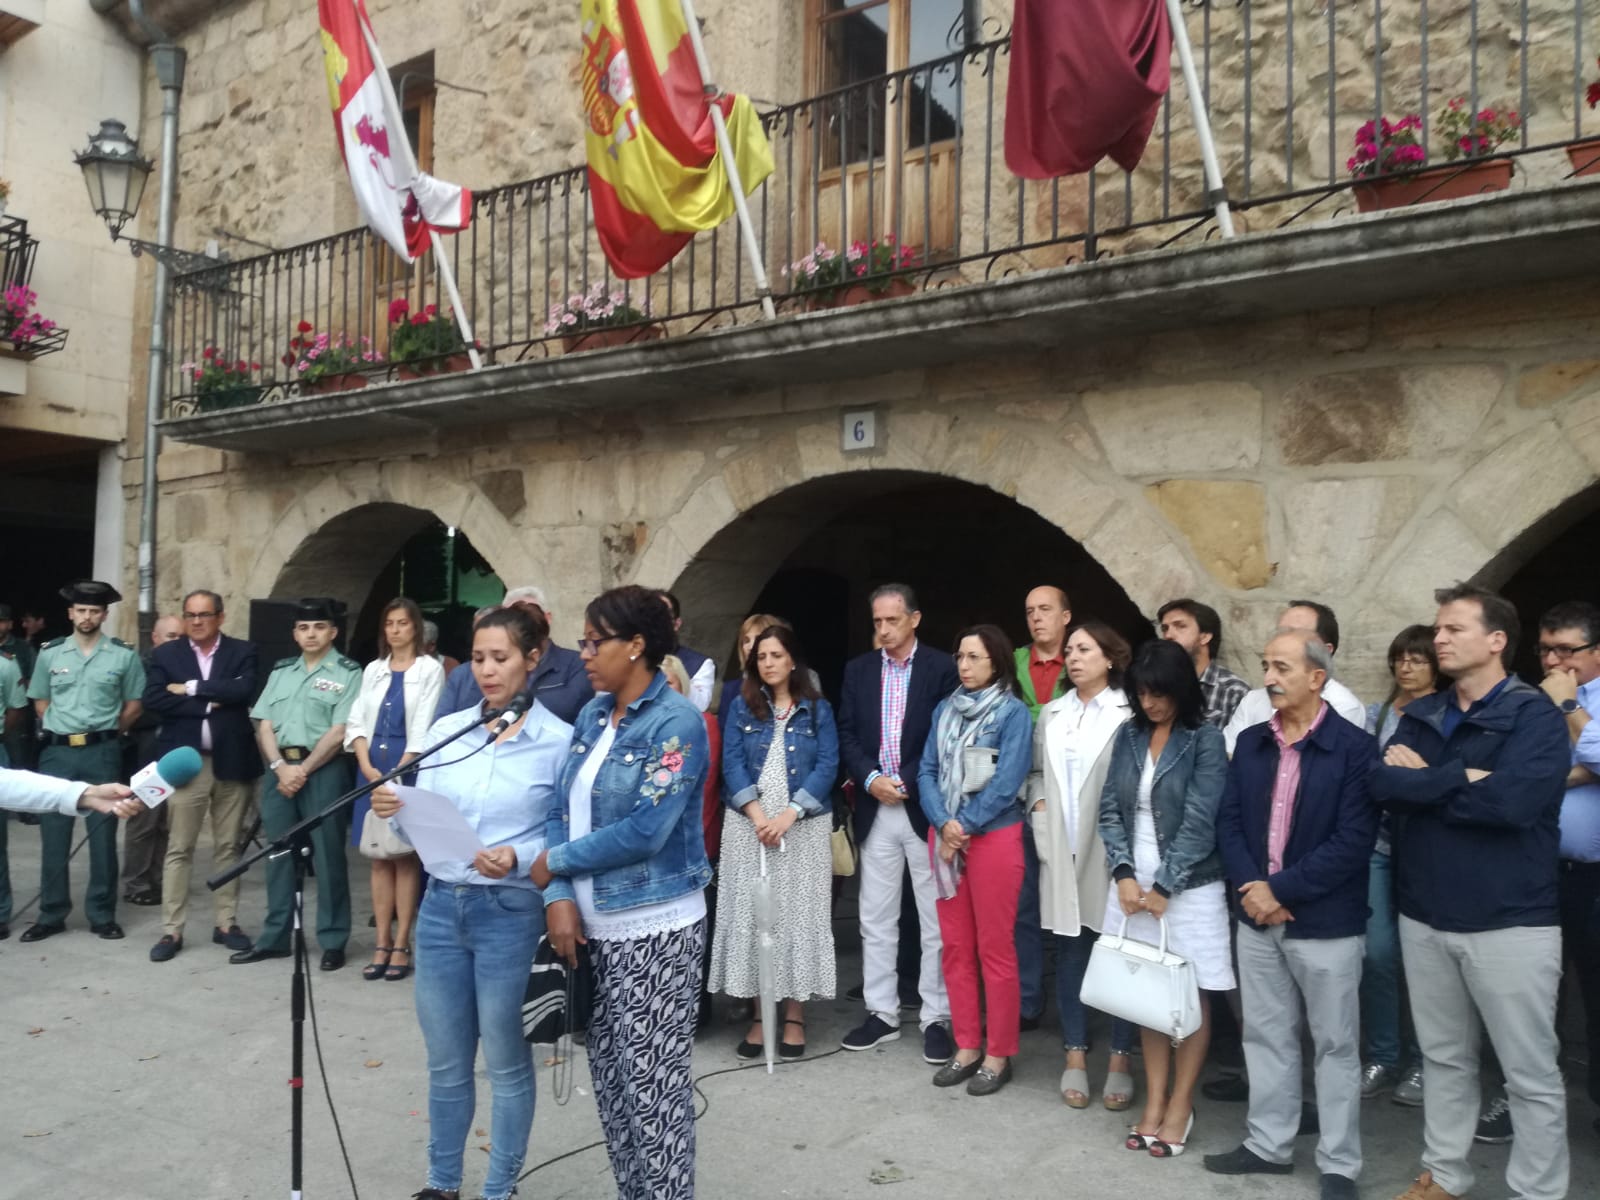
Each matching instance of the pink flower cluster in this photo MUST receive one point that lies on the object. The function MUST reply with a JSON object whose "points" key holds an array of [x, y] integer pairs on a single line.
{"points": [[400, 310], [1473, 135], [1383, 146], [23, 325], [594, 309], [827, 267]]}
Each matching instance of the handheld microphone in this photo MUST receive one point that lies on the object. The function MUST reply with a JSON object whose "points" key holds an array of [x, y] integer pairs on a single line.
{"points": [[511, 714], [156, 782]]}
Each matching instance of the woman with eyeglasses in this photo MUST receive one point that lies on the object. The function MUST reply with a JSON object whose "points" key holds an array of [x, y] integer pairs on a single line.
{"points": [[481, 920], [974, 764], [625, 874], [1393, 1059]]}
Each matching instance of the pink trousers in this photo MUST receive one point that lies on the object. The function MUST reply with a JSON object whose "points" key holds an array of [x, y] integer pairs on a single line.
{"points": [[979, 930]]}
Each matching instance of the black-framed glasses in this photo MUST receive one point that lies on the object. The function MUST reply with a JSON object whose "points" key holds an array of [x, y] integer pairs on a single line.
{"points": [[592, 645], [1562, 653], [205, 616]]}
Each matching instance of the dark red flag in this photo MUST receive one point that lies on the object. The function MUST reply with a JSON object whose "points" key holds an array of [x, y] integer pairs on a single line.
{"points": [[1087, 78]]}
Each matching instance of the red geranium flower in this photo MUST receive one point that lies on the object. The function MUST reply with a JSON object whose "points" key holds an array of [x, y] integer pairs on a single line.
{"points": [[209, 352], [420, 319], [304, 327], [398, 310]]}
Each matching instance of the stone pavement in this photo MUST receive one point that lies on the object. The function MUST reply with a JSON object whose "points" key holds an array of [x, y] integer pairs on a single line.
{"points": [[138, 1081]]}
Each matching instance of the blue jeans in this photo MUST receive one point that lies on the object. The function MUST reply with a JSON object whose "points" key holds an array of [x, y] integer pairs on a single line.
{"points": [[1072, 962], [475, 946], [1029, 934], [1380, 973]]}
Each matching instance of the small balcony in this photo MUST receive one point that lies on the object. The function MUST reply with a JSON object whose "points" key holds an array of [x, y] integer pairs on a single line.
{"points": [[24, 335], [982, 260]]}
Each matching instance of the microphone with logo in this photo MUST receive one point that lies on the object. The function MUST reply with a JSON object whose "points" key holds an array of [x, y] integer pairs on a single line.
{"points": [[155, 783]]}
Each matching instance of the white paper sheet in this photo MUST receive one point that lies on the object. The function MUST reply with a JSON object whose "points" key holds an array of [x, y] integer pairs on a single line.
{"points": [[435, 826]]}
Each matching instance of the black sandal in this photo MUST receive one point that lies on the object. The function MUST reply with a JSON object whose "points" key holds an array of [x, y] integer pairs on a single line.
{"points": [[787, 1050], [396, 973], [374, 970]]}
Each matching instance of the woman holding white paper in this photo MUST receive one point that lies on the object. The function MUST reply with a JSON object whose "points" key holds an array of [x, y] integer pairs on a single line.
{"points": [[481, 920]]}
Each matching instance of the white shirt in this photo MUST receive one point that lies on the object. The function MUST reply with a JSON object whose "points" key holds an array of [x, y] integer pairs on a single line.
{"points": [[205, 658], [1256, 708], [678, 913], [702, 684], [27, 791], [1074, 740]]}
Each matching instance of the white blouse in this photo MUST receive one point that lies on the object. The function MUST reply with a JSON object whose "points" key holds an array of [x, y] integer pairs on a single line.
{"points": [[1077, 735], [424, 681]]}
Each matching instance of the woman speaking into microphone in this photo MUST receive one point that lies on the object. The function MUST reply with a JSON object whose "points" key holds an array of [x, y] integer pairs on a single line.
{"points": [[481, 920]]}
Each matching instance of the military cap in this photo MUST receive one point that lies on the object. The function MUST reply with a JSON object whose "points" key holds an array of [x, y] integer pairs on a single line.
{"points": [[91, 591], [319, 608]]}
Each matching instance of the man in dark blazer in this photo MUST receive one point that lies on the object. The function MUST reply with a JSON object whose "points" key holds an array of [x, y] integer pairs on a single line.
{"points": [[885, 712], [202, 686]]}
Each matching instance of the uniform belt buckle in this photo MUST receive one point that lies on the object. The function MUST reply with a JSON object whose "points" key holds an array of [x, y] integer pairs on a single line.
{"points": [[77, 739]]}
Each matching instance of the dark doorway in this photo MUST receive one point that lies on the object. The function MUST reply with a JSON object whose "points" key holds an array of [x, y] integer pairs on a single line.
{"points": [[1566, 567], [47, 503], [448, 578], [814, 553]]}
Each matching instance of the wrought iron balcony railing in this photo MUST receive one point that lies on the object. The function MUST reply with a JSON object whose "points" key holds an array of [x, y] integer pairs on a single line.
{"points": [[915, 157]]}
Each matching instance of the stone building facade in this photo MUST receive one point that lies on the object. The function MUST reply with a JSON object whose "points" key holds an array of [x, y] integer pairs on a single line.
{"points": [[1350, 409]]}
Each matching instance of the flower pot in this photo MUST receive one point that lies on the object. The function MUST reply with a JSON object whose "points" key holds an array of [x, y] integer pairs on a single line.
{"points": [[433, 366], [13, 350], [857, 293], [221, 398], [335, 383], [1437, 183], [620, 335], [1585, 157]]}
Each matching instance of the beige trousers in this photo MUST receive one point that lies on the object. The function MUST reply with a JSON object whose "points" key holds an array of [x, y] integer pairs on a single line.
{"points": [[225, 800]]}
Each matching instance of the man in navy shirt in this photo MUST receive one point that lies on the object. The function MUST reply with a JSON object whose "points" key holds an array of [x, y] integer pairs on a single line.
{"points": [[1475, 776]]}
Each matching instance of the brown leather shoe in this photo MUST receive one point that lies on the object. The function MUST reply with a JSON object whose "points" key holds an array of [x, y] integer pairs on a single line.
{"points": [[1426, 1189]]}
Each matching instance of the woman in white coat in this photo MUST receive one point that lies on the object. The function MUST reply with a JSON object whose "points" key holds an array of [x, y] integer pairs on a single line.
{"points": [[1068, 741], [388, 726]]}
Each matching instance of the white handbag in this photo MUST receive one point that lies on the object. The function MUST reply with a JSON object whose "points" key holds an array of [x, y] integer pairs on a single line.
{"points": [[1145, 984]]}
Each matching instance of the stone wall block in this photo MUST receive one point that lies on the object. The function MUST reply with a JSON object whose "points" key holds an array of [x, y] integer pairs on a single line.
{"points": [[1335, 530], [1226, 524], [1385, 413], [505, 490], [660, 479], [1443, 550], [704, 514], [1579, 418], [1161, 430], [1046, 480], [1506, 492], [768, 468], [1138, 553], [1540, 386]]}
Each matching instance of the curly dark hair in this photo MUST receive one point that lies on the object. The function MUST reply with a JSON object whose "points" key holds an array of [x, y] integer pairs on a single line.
{"points": [[633, 611]]}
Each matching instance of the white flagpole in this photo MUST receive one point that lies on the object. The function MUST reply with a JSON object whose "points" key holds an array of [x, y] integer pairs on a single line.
{"points": [[1216, 194], [757, 267], [409, 162]]}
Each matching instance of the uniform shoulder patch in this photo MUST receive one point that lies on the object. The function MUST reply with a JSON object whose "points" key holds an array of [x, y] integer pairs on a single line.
{"points": [[52, 643], [286, 662], [119, 642], [348, 663]]}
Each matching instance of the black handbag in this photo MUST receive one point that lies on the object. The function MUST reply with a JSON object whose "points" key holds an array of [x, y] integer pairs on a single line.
{"points": [[558, 999]]}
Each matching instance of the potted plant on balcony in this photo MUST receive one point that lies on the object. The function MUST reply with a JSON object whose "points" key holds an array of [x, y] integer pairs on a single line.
{"points": [[1585, 155], [1391, 160], [26, 333], [326, 363], [862, 273], [424, 343], [595, 319], [220, 382]]}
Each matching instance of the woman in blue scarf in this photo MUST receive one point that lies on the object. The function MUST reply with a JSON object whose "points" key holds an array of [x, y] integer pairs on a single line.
{"points": [[973, 767]]}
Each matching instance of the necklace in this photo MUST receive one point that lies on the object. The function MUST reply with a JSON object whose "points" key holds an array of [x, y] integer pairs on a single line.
{"points": [[783, 714]]}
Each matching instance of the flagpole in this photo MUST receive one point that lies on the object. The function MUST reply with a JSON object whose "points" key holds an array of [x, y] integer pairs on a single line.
{"points": [[1216, 194], [397, 123], [712, 91]]}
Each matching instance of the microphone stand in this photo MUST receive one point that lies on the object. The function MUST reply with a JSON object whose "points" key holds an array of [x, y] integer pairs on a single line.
{"points": [[296, 842]]}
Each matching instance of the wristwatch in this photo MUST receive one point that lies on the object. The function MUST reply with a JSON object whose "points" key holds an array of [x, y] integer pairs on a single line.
{"points": [[275, 764], [799, 813], [1569, 707]]}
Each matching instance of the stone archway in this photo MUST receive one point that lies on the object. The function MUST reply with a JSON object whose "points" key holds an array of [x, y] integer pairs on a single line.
{"points": [[341, 532]]}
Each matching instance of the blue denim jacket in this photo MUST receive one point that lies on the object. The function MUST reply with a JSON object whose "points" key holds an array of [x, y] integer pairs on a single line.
{"points": [[1009, 727], [813, 753], [1184, 800], [647, 844]]}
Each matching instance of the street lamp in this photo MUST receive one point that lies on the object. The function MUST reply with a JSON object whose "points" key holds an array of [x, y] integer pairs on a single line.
{"points": [[115, 173]]}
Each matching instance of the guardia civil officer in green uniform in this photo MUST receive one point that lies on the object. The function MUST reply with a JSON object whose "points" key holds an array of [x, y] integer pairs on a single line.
{"points": [[14, 646], [300, 728], [86, 689], [13, 702]]}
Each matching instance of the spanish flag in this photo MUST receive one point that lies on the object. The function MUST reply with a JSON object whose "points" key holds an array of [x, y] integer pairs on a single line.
{"points": [[655, 175], [402, 205]]}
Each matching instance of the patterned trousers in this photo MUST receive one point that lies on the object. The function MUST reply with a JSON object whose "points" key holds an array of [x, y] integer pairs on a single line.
{"points": [[641, 1043]]}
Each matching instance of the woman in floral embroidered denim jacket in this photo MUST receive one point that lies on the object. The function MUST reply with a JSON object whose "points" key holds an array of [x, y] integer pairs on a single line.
{"points": [[625, 875]]}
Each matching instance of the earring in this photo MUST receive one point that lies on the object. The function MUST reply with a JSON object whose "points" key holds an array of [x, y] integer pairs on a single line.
{"points": [[633, 658]]}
